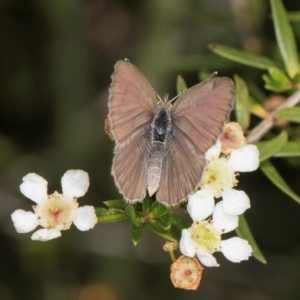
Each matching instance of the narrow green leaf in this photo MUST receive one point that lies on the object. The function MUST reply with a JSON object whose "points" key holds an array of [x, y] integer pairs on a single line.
{"points": [[181, 85], [293, 16], [164, 235], [109, 215], [290, 149], [159, 210], [277, 81], [269, 170], [242, 104], [285, 38], [256, 92], [137, 234], [244, 232], [291, 114], [115, 203], [249, 59], [268, 148]]}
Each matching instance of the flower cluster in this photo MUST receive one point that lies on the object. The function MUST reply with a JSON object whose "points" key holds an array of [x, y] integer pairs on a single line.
{"points": [[54, 212], [231, 154]]}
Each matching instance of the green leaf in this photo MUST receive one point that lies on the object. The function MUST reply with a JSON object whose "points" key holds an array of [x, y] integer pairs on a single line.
{"points": [[165, 222], [293, 16], [277, 81], [115, 203], [137, 234], [159, 210], [256, 92], [269, 170], [242, 104], [268, 148], [291, 114], [285, 38], [146, 204], [290, 149], [131, 215], [109, 215], [244, 232], [181, 85], [252, 60], [164, 235]]}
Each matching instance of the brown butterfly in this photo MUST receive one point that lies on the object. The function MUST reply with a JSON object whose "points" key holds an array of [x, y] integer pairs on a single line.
{"points": [[159, 146]]}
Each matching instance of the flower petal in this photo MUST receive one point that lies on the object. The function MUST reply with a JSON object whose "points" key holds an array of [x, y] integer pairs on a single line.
{"points": [[214, 151], [236, 249], [223, 222], [207, 259], [245, 159], [44, 235], [201, 204], [235, 202], [85, 218], [75, 183], [186, 244], [24, 221], [34, 187]]}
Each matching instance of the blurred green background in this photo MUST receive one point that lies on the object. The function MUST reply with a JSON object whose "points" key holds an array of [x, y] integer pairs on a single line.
{"points": [[56, 60]]}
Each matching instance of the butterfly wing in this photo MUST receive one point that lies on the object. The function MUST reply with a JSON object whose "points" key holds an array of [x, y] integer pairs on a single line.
{"points": [[181, 171], [131, 104], [131, 101], [198, 118], [201, 111]]}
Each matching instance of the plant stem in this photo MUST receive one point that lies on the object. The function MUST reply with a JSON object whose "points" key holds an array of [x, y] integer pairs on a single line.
{"points": [[259, 131]]}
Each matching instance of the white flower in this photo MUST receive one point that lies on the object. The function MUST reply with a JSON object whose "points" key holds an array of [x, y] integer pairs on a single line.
{"points": [[203, 238], [54, 212], [220, 179]]}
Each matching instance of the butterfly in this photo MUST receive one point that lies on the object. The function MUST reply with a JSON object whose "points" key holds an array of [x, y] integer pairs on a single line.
{"points": [[160, 146]]}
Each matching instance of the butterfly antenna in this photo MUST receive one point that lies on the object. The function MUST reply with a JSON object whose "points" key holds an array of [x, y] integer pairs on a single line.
{"points": [[158, 97], [174, 98], [212, 75]]}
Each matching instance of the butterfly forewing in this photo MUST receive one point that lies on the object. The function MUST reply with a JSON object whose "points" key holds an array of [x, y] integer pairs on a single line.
{"points": [[202, 110], [131, 100]]}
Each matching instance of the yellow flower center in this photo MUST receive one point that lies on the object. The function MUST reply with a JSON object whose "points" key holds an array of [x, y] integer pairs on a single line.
{"points": [[218, 177], [205, 236], [56, 212]]}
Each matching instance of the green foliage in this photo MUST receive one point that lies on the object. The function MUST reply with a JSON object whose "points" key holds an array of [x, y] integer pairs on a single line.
{"points": [[291, 114], [181, 85], [244, 232], [277, 81], [242, 103], [285, 38], [269, 170], [269, 148], [249, 59], [161, 219]]}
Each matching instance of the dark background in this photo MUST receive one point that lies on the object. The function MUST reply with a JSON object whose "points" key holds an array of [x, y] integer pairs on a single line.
{"points": [[56, 58]]}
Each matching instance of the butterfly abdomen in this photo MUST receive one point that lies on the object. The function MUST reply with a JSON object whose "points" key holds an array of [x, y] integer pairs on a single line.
{"points": [[160, 133]]}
